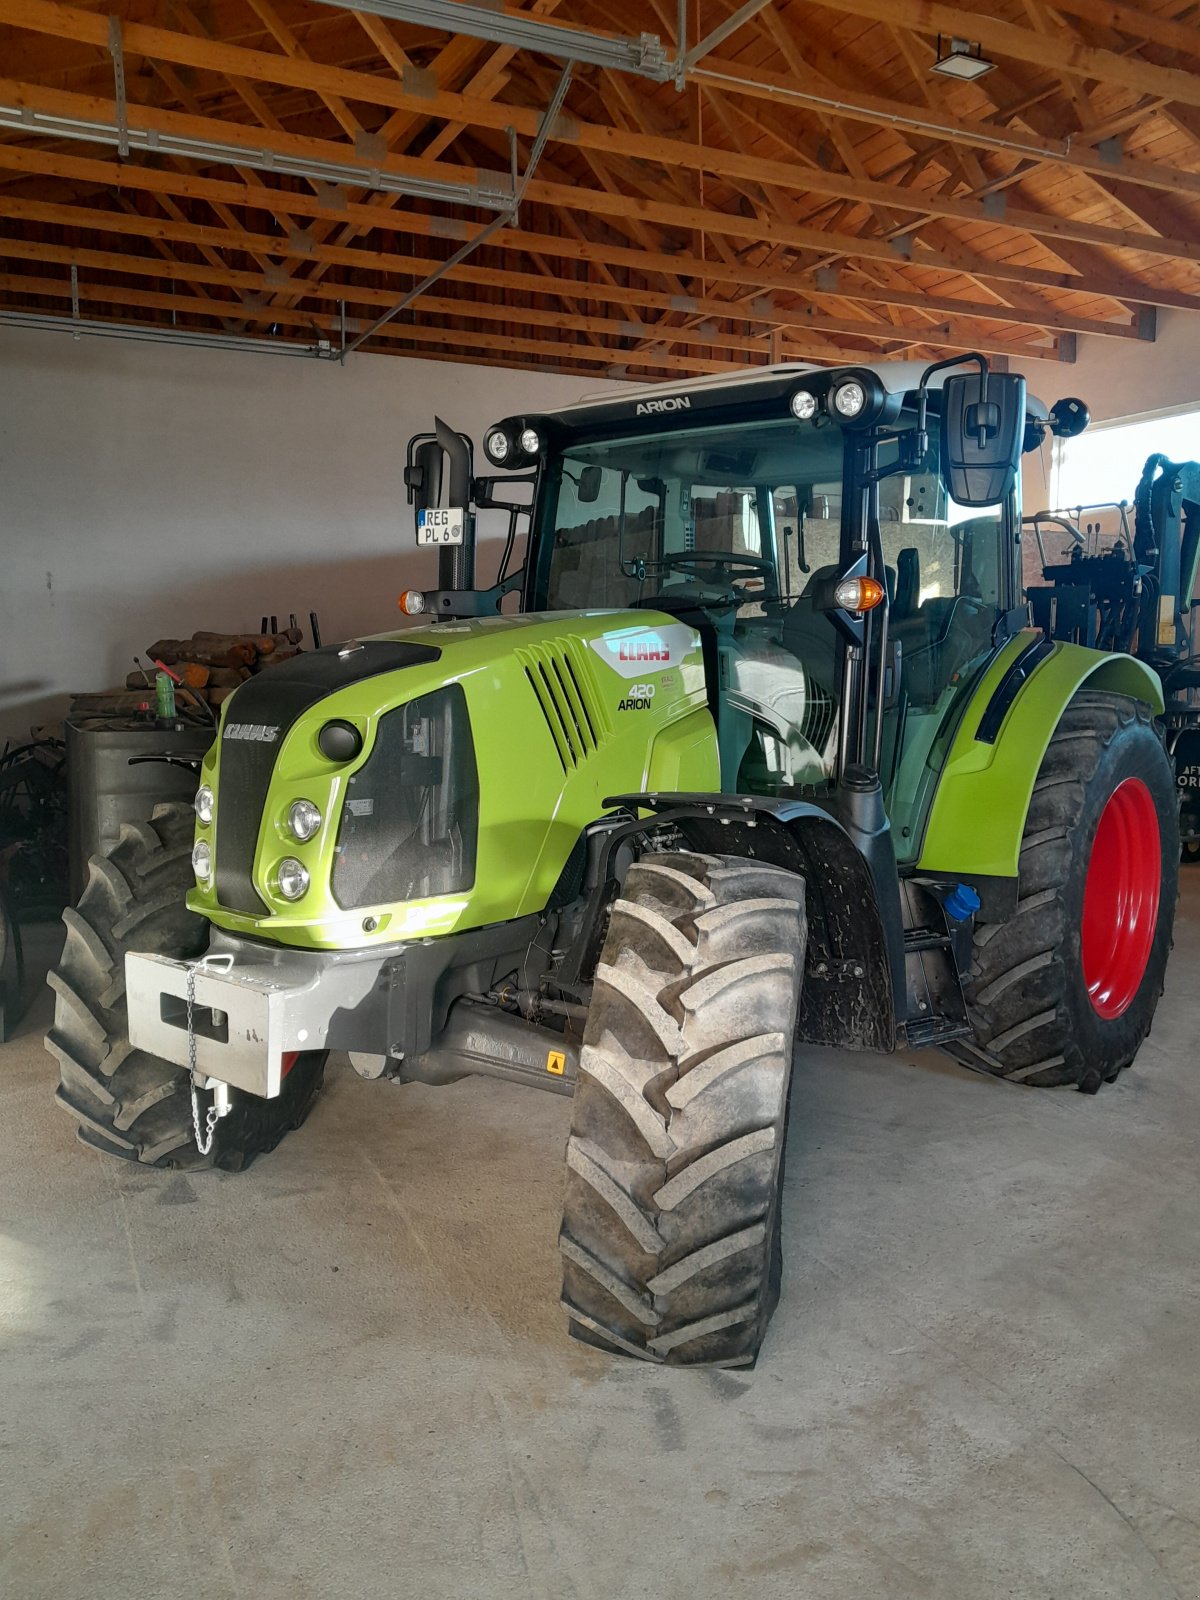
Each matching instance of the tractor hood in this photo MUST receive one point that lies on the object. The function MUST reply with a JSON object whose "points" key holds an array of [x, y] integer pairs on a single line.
{"points": [[451, 770]]}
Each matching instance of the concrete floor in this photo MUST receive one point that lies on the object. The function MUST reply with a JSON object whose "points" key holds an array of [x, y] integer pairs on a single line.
{"points": [[345, 1374]]}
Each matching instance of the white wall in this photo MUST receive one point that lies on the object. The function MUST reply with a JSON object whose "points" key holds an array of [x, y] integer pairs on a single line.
{"points": [[1124, 377], [148, 490], [1117, 378]]}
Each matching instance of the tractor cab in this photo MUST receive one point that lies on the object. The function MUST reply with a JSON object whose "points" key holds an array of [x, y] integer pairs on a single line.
{"points": [[846, 543]]}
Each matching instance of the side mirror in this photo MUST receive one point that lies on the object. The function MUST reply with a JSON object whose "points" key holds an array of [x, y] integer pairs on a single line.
{"points": [[983, 427], [423, 475], [588, 489]]}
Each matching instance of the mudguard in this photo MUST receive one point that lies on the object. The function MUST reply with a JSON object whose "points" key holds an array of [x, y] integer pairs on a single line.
{"points": [[977, 818], [848, 997]]}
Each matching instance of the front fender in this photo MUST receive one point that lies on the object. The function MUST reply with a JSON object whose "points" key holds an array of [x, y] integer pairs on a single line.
{"points": [[978, 814], [848, 998]]}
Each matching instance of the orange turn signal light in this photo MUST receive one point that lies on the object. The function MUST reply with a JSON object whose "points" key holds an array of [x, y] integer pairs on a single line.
{"points": [[858, 594], [411, 602]]}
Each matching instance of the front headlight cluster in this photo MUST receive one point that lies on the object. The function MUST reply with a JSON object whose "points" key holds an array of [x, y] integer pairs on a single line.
{"points": [[291, 876], [856, 400], [513, 443], [303, 823], [202, 850]]}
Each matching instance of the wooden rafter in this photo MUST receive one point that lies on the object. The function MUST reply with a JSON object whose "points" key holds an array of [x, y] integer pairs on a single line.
{"points": [[339, 85], [812, 194]]}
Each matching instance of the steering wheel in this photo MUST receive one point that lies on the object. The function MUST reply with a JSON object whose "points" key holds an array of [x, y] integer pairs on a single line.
{"points": [[722, 560]]}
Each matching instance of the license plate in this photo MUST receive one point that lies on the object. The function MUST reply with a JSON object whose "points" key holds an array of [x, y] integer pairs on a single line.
{"points": [[441, 525]]}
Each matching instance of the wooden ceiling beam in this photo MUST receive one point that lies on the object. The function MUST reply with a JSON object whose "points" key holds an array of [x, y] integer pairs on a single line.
{"points": [[1183, 37], [421, 334], [537, 359], [110, 176], [401, 128], [597, 203], [761, 315], [846, 104], [807, 348], [65, 21], [1053, 116], [1067, 55]]}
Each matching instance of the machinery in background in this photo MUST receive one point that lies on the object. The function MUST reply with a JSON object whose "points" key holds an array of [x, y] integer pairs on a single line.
{"points": [[33, 856], [1134, 591]]}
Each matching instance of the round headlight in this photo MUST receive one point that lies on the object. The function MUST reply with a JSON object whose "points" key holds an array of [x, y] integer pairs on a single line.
{"points": [[304, 819], [530, 441], [291, 877], [202, 860], [804, 405], [204, 803], [496, 447], [849, 398]]}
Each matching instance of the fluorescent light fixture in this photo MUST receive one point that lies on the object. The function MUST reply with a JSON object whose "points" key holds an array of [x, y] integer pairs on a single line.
{"points": [[486, 195], [959, 58], [644, 55]]}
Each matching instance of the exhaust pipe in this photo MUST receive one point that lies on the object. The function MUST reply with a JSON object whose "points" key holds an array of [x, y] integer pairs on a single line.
{"points": [[456, 562]]}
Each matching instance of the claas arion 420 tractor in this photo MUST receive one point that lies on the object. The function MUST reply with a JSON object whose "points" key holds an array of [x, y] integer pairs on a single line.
{"points": [[769, 752]]}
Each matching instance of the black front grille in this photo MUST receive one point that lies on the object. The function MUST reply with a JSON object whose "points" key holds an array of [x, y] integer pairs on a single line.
{"points": [[257, 720], [410, 819]]}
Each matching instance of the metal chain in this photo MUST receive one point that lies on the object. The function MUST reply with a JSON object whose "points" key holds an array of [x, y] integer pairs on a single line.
{"points": [[204, 1141]]}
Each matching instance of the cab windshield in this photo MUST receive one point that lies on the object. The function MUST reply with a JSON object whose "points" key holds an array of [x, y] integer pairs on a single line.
{"points": [[632, 520]]}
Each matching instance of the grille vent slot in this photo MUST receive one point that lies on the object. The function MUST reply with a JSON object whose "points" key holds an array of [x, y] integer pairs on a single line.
{"points": [[820, 714], [561, 682]]}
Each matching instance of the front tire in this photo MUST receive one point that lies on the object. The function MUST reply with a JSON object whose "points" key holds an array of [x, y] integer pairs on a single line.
{"points": [[1064, 992], [670, 1234], [125, 1102]]}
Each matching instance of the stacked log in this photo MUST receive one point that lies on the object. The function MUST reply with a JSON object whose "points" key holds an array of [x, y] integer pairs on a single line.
{"points": [[208, 667]]}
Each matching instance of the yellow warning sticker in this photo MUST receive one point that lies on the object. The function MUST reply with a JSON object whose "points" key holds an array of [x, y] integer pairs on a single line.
{"points": [[556, 1062]]}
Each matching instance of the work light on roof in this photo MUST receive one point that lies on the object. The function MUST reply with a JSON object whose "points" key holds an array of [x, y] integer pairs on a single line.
{"points": [[804, 405], [497, 446], [849, 398]]}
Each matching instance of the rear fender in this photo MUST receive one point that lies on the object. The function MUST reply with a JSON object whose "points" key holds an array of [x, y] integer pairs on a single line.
{"points": [[977, 818], [848, 997]]}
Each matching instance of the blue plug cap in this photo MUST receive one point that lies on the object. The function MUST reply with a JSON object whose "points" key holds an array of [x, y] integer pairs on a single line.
{"points": [[962, 902]]}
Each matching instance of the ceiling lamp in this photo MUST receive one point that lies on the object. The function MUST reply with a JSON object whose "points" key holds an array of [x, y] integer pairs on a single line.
{"points": [[959, 58]]}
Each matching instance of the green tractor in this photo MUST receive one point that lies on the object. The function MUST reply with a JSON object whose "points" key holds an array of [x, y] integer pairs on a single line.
{"points": [[768, 753]]}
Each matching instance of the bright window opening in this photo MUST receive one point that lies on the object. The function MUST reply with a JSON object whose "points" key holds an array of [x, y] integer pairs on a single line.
{"points": [[1105, 462]]}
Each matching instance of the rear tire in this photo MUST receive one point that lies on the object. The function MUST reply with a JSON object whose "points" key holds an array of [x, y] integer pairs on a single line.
{"points": [[670, 1234], [128, 1103], [1027, 993]]}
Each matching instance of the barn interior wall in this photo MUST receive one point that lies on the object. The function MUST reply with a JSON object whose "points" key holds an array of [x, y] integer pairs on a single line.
{"points": [[150, 490], [1117, 378]]}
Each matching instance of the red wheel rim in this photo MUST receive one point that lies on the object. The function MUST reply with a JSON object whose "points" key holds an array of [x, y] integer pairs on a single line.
{"points": [[1120, 898]]}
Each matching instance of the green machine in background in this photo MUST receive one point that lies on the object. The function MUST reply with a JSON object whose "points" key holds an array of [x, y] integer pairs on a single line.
{"points": [[753, 744]]}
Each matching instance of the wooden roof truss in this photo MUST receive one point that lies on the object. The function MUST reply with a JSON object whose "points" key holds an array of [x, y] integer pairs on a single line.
{"points": [[784, 179]]}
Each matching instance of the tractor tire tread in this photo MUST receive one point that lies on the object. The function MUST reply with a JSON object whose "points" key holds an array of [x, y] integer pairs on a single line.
{"points": [[1019, 975], [670, 1223]]}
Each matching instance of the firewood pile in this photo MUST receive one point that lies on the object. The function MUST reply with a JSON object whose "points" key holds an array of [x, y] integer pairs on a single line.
{"points": [[207, 668]]}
